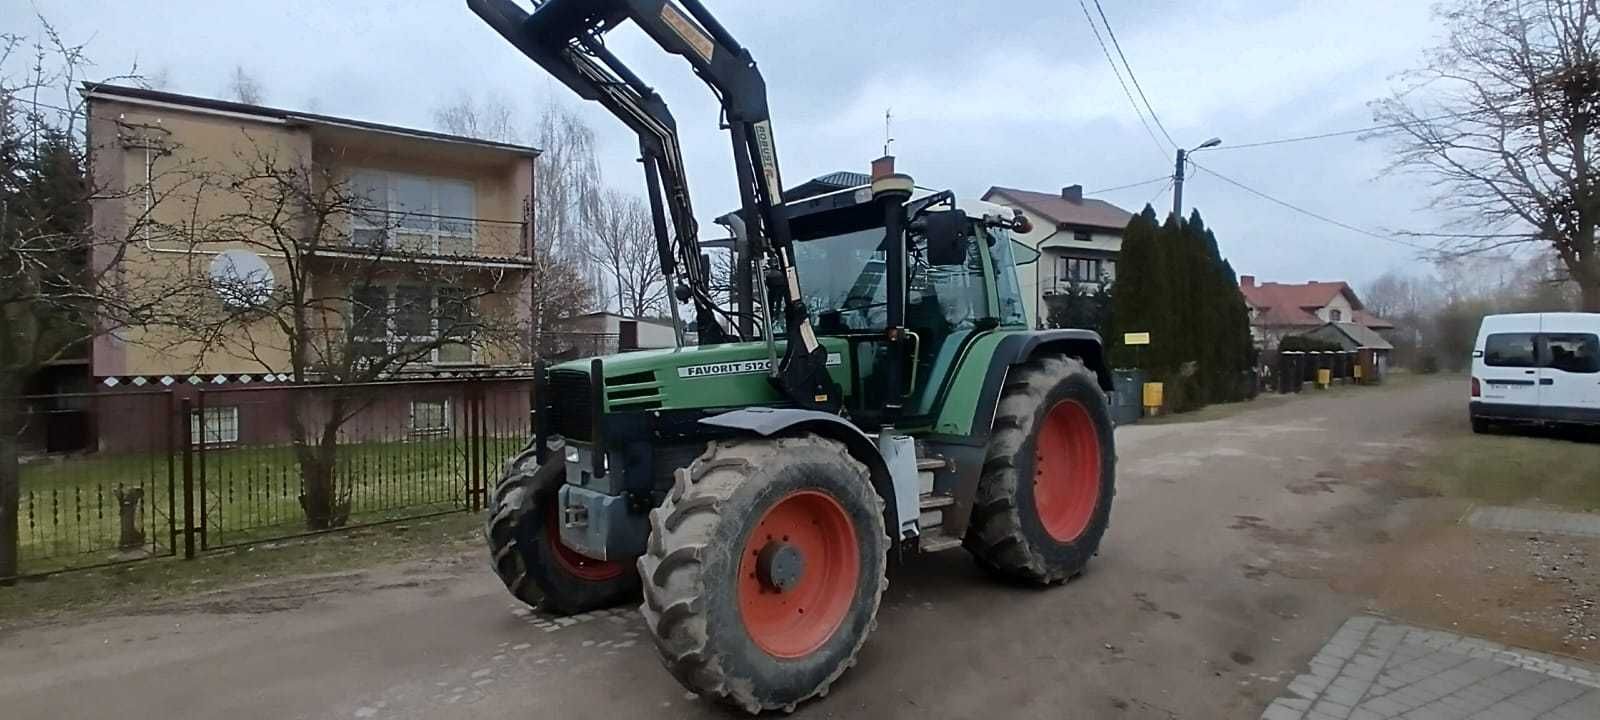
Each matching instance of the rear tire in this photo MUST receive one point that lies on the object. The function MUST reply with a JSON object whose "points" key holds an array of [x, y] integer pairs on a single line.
{"points": [[712, 605], [525, 544], [1480, 425], [1044, 500]]}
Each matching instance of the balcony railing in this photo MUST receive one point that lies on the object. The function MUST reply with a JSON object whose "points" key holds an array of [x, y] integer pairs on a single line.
{"points": [[447, 236]]}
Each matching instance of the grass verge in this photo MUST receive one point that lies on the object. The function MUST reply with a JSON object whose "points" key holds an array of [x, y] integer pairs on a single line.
{"points": [[1515, 467], [156, 581]]}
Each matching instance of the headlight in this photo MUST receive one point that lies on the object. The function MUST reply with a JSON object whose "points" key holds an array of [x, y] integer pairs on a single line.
{"points": [[572, 454]]}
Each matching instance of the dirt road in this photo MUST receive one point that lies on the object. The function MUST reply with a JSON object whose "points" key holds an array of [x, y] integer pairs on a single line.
{"points": [[1212, 588]]}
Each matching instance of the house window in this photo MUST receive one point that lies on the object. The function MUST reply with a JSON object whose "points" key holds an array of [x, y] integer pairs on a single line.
{"points": [[215, 425], [386, 320], [1336, 315], [413, 213], [430, 417], [1079, 270], [1082, 236]]}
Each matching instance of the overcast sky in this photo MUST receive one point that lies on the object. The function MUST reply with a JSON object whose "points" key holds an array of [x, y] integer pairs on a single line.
{"points": [[983, 93]]}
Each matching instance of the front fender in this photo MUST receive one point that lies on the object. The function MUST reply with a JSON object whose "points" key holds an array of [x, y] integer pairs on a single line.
{"points": [[771, 422]]}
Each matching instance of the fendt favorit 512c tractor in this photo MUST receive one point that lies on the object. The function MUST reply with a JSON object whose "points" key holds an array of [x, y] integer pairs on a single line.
{"points": [[875, 387]]}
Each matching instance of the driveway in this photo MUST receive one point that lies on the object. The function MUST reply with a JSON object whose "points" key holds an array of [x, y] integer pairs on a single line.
{"points": [[1211, 592]]}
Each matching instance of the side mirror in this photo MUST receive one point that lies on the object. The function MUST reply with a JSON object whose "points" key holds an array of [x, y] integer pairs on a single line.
{"points": [[949, 235]]}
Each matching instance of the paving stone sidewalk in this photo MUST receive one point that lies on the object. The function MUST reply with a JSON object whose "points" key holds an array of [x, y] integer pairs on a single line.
{"points": [[1373, 668]]}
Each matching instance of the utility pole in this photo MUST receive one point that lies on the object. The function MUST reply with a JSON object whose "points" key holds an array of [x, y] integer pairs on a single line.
{"points": [[1177, 185], [1177, 175]]}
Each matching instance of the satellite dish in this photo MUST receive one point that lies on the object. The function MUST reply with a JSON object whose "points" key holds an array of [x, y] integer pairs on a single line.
{"points": [[242, 279]]}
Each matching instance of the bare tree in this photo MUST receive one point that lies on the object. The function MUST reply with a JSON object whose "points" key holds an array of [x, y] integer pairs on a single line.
{"points": [[565, 192], [343, 307], [61, 279], [488, 119], [244, 87], [1502, 119], [624, 246]]}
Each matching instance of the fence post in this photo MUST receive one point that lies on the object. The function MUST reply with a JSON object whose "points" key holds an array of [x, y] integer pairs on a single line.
{"points": [[186, 409], [474, 446]]}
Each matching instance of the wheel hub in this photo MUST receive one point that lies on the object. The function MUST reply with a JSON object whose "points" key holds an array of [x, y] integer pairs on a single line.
{"points": [[779, 566]]}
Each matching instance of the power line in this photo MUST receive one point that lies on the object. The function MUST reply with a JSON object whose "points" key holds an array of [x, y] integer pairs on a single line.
{"points": [[1129, 67], [1125, 91], [1312, 214], [1341, 133], [1141, 183], [1160, 192]]}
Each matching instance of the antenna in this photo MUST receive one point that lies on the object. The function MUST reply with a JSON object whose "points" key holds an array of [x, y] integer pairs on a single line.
{"points": [[888, 114]]}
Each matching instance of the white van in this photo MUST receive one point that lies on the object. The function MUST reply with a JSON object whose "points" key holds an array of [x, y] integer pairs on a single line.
{"points": [[1536, 368]]}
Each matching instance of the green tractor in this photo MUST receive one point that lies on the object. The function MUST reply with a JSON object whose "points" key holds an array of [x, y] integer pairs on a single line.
{"points": [[875, 387]]}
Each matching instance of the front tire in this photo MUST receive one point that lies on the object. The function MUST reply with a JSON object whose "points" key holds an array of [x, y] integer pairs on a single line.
{"points": [[1049, 475], [765, 569], [525, 543]]}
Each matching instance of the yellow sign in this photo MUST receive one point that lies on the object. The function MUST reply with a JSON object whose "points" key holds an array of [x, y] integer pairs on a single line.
{"points": [[1136, 338]]}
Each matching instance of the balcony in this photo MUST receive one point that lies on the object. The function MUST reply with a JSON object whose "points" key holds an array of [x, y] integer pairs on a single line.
{"points": [[445, 239]]}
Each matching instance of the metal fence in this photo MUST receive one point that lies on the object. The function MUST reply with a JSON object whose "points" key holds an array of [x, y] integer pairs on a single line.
{"points": [[79, 509], [190, 469]]}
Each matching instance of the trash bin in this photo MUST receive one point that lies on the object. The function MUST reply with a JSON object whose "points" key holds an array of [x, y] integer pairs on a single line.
{"points": [[1126, 396]]}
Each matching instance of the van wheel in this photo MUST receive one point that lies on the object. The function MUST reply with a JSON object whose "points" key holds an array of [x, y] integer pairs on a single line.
{"points": [[1480, 426]]}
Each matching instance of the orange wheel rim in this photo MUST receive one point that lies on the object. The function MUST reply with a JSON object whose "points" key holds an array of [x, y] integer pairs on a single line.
{"points": [[798, 574], [573, 562], [1066, 471]]}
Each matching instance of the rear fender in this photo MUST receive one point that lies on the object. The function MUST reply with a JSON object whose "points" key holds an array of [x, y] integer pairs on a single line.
{"points": [[969, 451], [771, 422]]}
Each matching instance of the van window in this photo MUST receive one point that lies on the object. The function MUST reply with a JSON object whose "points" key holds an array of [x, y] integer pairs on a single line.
{"points": [[1574, 353], [1510, 350]]}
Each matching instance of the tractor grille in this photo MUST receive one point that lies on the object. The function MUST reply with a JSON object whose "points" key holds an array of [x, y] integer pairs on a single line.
{"points": [[569, 401]]}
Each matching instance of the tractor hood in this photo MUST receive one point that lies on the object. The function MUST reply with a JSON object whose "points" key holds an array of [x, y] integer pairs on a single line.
{"points": [[727, 375]]}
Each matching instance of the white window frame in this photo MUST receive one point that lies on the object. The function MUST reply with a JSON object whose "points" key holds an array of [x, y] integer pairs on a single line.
{"points": [[447, 419], [1066, 263], [392, 340], [393, 214], [220, 425]]}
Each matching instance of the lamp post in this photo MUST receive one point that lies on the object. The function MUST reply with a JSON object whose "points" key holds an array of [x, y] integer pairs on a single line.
{"points": [[1177, 175]]}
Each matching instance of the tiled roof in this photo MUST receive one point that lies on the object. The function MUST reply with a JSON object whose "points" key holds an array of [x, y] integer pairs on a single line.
{"points": [[1373, 321], [1351, 336], [1294, 304], [1300, 295], [1089, 212]]}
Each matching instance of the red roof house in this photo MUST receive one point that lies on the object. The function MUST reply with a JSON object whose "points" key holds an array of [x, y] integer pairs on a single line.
{"points": [[1279, 309]]}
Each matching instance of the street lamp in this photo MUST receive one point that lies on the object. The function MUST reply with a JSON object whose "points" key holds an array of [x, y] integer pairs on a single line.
{"points": [[1177, 176]]}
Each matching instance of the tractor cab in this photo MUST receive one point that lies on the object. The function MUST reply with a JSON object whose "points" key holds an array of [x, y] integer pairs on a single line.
{"points": [[960, 281]]}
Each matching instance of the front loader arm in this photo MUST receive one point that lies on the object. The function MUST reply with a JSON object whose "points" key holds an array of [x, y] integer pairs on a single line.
{"points": [[565, 37]]}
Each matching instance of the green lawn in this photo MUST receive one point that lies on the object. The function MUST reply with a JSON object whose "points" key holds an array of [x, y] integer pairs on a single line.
{"points": [[1513, 467], [69, 512]]}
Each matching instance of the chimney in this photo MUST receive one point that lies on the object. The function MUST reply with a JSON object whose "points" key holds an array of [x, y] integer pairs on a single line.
{"points": [[1248, 281], [1072, 194], [883, 167]]}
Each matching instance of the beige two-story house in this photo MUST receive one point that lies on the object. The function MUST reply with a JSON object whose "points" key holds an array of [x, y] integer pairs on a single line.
{"points": [[436, 220], [1078, 240]]}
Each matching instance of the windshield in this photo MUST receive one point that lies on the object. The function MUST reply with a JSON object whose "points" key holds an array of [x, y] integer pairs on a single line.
{"points": [[842, 278], [1012, 310]]}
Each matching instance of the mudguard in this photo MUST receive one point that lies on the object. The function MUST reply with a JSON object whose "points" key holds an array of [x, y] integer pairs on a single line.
{"points": [[768, 422]]}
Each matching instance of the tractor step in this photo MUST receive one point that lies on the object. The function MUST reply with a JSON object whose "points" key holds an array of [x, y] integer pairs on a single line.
{"points": [[930, 502], [930, 463], [935, 541]]}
